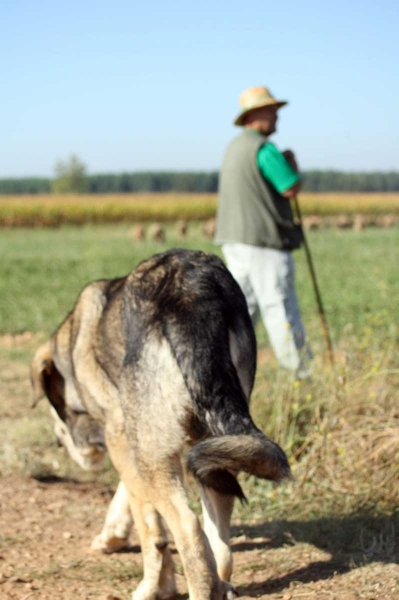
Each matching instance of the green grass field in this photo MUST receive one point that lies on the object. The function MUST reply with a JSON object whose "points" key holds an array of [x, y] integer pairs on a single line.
{"points": [[341, 429], [42, 271]]}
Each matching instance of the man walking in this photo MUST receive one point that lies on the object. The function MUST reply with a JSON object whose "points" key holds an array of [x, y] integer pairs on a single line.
{"points": [[256, 228]]}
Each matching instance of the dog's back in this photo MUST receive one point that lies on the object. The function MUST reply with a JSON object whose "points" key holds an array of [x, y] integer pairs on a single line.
{"points": [[187, 307]]}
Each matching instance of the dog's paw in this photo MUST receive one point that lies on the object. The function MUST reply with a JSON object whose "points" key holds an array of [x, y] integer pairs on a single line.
{"points": [[167, 594], [146, 590], [230, 592], [109, 545]]}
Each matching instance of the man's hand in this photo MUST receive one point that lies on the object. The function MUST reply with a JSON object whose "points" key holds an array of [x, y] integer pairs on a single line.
{"points": [[290, 158]]}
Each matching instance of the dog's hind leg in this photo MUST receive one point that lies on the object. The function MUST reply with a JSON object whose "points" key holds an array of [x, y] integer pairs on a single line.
{"points": [[191, 542], [217, 509], [118, 524], [159, 577]]}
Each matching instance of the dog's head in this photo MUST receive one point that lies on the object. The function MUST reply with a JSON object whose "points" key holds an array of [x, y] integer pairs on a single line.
{"points": [[75, 429]]}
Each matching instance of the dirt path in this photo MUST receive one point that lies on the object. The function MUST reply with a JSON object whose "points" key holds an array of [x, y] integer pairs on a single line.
{"points": [[47, 526]]}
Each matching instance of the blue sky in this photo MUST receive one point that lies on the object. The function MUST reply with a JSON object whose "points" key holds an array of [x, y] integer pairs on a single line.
{"points": [[129, 85]]}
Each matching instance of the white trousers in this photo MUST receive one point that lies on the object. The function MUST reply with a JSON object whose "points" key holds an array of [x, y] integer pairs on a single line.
{"points": [[267, 279]]}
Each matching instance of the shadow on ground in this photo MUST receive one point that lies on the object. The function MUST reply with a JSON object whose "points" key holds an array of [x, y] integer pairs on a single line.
{"points": [[351, 541]]}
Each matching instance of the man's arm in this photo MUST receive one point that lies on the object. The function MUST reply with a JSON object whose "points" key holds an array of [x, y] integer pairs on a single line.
{"points": [[290, 158], [280, 169]]}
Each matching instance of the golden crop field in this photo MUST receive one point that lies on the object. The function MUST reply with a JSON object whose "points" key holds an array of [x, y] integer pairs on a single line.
{"points": [[53, 210]]}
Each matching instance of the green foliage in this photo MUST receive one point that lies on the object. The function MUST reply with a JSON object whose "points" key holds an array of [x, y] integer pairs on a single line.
{"points": [[202, 182], [70, 177], [153, 182], [27, 185], [338, 181]]}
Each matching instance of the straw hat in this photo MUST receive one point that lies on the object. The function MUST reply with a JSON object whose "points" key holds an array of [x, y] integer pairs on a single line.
{"points": [[256, 97]]}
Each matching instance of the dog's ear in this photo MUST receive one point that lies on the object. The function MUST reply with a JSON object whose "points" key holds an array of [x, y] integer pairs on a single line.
{"points": [[47, 380], [41, 362]]}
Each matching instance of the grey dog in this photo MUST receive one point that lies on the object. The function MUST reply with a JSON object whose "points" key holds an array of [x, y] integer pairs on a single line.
{"points": [[145, 366]]}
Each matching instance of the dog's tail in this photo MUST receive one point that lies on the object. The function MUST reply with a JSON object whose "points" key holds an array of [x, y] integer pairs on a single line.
{"points": [[215, 461]]}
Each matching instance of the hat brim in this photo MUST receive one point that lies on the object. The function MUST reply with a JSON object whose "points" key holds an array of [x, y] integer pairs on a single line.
{"points": [[239, 120]]}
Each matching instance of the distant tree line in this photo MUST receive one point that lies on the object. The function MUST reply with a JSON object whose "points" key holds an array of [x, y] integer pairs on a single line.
{"points": [[153, 182], [164, 181], [338, 181], [27, 185]]}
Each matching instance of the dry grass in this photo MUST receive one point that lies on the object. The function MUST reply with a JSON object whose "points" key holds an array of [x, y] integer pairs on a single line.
{"points": [[52, 211], [341, 431], [349, 203]]}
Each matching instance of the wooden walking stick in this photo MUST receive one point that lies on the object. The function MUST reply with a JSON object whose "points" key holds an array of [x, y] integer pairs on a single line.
{"points": [[315, 285]]}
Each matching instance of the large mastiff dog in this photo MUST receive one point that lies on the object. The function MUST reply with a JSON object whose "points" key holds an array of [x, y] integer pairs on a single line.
{"points": [[150, 364]]}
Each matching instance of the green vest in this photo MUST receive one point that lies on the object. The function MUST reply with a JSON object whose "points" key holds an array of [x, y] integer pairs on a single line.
{"points": [[250, 209]]}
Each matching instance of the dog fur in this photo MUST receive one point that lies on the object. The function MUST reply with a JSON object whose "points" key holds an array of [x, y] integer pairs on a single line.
{"points": [[146, 365]]}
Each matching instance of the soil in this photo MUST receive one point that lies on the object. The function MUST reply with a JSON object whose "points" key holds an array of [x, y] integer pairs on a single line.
{"points": [[47, 527], [47, 523]]}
